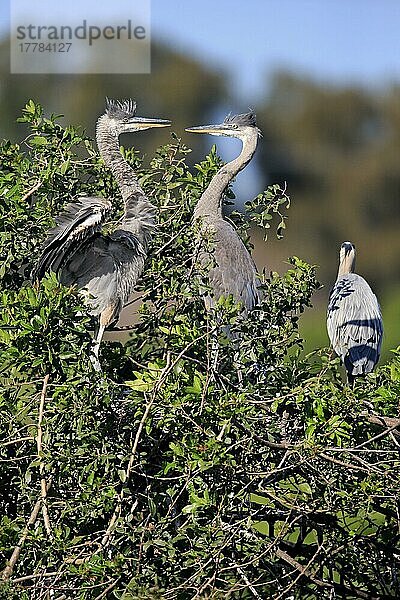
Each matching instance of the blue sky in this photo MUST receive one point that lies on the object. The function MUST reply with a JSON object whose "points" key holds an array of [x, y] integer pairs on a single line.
{"points": [[334, 40]]}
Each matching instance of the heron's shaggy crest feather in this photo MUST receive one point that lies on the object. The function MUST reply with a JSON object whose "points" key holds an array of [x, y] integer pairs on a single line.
{"points": [[120, 109], [243, 119]]}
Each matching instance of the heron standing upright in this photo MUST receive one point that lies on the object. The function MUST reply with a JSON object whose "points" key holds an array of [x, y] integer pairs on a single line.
{"points": [[106, 267], [354, 320], [234, 272]]}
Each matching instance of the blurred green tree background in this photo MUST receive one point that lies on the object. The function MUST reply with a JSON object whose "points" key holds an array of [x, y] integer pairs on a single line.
{"points": [[337, 147]]}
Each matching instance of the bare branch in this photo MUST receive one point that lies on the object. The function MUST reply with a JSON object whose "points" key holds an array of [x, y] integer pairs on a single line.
{"points": [[323, 584], [43, 485], [31, 191], [248, 583], [108, 589], [28, 438], [303, 570], [17, 550]]}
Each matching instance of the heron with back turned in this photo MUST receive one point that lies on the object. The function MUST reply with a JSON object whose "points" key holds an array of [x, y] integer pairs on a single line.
{"points": [[233, 272], [105, 267], [354, 320]]}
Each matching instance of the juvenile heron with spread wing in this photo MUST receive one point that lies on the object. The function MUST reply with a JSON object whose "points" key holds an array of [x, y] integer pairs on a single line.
{"points": [[106, 267]]}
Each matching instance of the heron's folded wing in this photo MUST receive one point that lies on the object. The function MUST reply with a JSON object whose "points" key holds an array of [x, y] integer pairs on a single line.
{"points": [[235, 272], [79, 221], [355, 322], [364, 330]]}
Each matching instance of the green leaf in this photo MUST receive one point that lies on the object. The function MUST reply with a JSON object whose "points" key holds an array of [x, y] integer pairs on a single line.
{"points": [[38, 140]]}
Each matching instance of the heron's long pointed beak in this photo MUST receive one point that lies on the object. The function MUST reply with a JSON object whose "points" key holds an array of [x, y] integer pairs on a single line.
{"points": [[145, 123], [211, 129]]}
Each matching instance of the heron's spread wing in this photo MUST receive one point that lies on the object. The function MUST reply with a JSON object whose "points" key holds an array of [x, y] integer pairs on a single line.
{"points": [[234, 271], [106, 268], [78, 223], [355, 324]]}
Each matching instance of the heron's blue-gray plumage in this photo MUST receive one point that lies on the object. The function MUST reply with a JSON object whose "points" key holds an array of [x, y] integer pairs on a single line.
{"points": [[234, 272], [106, 268], [354, 324]]}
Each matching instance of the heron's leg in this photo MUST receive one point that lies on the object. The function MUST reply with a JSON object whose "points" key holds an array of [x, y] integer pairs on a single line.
{"points": [[236, 359], [106, 317], [239, 375], [94, 357], [212, 349], [214, 352]]}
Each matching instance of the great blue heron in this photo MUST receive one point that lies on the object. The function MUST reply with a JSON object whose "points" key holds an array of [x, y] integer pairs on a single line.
{"points": [[106, 267], [234, 271], [354, 318]]}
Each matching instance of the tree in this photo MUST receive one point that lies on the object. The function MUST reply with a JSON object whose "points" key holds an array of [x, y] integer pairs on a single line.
{"points": [[176, 473], [337, 148], [179, 87]]}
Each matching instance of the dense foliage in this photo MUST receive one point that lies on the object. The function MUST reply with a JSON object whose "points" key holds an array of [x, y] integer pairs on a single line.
{"points": [[192, 466]]}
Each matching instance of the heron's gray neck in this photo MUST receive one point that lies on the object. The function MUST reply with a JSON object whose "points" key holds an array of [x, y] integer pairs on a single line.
{"points": [[140, 214], [108, 144], [210, 203]]}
